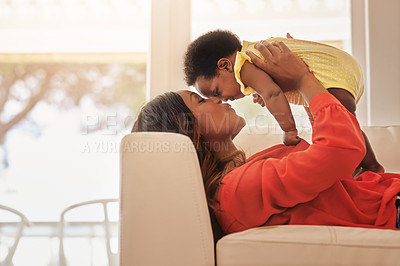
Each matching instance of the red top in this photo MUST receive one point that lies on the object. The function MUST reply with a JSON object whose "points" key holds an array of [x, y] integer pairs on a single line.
{"points": [[310, 184]]}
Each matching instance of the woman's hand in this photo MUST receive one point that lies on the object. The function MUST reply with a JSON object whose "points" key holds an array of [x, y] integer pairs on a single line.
{"points": [[256, 97], [286, 68]]}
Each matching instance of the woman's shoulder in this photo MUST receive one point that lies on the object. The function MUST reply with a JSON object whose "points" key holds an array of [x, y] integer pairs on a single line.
{"points": [[274, 149], [278, 151], [254, 165]]}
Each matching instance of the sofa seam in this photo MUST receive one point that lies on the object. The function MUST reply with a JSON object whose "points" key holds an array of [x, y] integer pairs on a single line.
{"points": [[318, 244], [332, 233]]}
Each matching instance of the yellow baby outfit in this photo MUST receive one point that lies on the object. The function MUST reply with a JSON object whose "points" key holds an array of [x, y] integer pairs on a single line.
{"points": [[333, 67]]}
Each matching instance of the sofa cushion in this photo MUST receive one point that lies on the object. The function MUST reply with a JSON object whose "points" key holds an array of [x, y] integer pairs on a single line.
{"points": [[309, 245]]}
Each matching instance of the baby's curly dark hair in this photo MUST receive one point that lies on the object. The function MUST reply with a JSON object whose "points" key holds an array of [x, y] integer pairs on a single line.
{"points": [[202, 55]]}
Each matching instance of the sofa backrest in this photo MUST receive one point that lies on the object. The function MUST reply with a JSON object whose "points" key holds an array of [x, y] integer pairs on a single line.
{"points": [[385, 142], [252, 139], [164, 218]]}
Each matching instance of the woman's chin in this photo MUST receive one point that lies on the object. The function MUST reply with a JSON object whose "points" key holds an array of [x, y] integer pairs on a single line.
{"points": [[241, 123]]}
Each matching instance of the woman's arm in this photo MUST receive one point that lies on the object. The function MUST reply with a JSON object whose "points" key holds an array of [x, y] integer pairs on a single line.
{"points": [[262, 188], [274, 100], [287, 69], [281, 179]]}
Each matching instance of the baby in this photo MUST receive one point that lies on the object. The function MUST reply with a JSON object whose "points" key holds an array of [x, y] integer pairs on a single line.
{"points": [[217, 65]]}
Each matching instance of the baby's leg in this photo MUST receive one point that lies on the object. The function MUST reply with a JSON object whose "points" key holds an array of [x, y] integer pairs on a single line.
{"points": [[369, 163]]}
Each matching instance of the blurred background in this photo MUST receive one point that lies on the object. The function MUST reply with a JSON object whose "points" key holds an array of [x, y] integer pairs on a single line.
{"points": [[73, 76]]}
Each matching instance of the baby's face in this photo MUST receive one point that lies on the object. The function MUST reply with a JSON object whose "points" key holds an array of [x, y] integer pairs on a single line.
{"points": [[223, 85]]}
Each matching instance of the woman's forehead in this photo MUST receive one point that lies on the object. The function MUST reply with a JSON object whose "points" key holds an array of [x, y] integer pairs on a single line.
{"points": [[187, 97], [184, 92]]}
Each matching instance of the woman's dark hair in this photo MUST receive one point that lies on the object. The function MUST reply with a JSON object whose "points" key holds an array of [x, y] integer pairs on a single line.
{"points": [[169, 113], [203, 54]]}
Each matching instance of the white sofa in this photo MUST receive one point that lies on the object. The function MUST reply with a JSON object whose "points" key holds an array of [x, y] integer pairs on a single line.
{"points": [[164, 219]]}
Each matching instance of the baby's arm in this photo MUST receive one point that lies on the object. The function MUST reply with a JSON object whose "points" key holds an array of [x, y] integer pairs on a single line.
{"points": [[274, 99]]}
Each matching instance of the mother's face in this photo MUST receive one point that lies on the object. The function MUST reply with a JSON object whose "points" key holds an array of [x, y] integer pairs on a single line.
{"points": [[216, 120]]}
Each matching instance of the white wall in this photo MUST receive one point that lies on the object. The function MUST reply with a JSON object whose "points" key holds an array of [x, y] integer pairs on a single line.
{"points": [[376, 42], [170, 35], [384, 61]]}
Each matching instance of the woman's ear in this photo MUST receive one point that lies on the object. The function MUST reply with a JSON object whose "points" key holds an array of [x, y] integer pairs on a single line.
{"points": [[225, 64]]}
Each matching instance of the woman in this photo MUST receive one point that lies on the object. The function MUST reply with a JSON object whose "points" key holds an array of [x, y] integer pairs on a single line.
{"points": [[303, 184]]}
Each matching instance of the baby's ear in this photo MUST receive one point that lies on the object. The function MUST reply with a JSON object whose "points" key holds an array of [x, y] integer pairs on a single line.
{"points": [[225, 64]]}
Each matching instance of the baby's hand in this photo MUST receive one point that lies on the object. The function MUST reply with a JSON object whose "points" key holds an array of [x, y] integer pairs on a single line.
{"points": [[290, 138], [258, 99]]}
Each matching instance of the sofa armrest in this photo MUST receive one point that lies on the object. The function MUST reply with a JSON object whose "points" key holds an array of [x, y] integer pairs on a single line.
{"points": [[164, 218]]}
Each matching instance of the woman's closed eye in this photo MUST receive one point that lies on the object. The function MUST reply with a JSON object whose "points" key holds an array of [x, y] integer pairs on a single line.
{"points": [[201, 100]]}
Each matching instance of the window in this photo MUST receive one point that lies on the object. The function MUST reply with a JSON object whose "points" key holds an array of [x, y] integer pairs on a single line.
{"points": [[326, 21], [72, 78]]}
